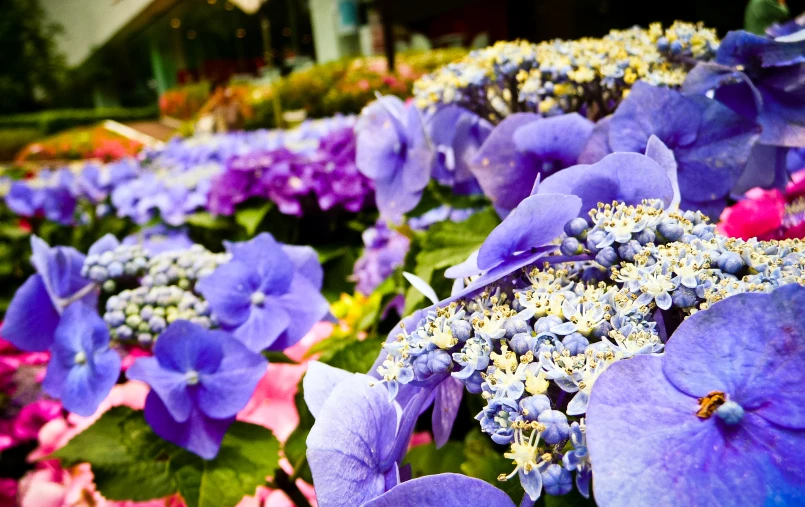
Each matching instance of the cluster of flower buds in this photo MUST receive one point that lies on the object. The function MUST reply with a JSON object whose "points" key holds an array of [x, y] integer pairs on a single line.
{"points": [[121, 262]]}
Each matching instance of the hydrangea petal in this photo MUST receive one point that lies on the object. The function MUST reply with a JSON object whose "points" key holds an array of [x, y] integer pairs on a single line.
{"points": [[31, 318], [229, 289], [442, 490], [199, 433], [306, 262], [758, 338], [535, 222], [170, 385], [264, 325], [225, 392], [556, 139], [352, 437], [182, 348], [319, 382], [305, 306], [449, 394], [647, 443]]}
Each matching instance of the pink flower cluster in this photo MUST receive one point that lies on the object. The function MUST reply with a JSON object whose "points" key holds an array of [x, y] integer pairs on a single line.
{"points": [[768, 214]]}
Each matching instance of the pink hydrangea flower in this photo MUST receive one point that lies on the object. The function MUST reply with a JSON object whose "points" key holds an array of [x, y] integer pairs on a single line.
{"points": [[768, 214]]}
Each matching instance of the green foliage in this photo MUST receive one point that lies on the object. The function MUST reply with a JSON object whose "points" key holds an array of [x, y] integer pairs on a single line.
{"points": [[12, 140], [55, 120], [443, 245], [249, 218], [428, 460], [484, 461], [131, 462], [295, 448]]}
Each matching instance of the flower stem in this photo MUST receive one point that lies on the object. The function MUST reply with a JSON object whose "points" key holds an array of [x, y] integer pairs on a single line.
{"points": [[289, 487]]}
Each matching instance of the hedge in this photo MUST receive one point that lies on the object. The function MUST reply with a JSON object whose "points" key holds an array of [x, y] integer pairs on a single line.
{"points": [[49, 122]]}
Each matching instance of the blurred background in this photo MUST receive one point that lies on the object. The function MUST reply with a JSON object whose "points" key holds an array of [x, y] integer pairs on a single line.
{"points": [[157, 66]]}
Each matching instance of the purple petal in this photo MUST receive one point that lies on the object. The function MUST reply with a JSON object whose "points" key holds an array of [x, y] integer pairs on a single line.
{"points": [[626, 177], [505, 268], [442, 490], [171, 386], [106, 243], [228, 290], [305, 306], [199, 434], [31, 318], [653, 110], [558, 138], [267, 260], [597, 146], [535, 222], [647, 443], [225, 392], [757, 346], [306, 262], [378, 142], [445, 409], [265, 324], [465, 269], [319, 382], [658, 152], [87, 386], [350, 441], [185, 346], [504, 173]]}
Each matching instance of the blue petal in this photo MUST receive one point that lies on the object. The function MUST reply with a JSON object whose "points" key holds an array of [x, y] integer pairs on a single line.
{"points": [[106, 243], [597, 146], [442, 490], [319, 382], [226, 391], [625, 177], [171, 386], [445, 409], [306, 262], [557, 139], [31, 318], [228, 290], [305, 306], [537, 221], [185, 346], [347, 446], [264, 325], [267, 260], [200, 434]]}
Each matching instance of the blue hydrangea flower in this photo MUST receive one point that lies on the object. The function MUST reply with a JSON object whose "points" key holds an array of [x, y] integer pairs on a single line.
{"points": [[719, 419], [442, 490], [200, 379], [497, 418], [457, 135], [523, 147], [35, 310], [268, 294], [711, 143], [578, 458], [160, 238], [355, 448], [82, 368], [760, 78], [393, 151]]}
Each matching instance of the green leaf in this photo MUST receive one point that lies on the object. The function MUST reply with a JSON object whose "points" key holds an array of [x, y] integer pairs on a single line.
{"points": [[249, 453], [427, 460], [13, 232], [250, 218], [295, 448], [277, 357], [131, 462], [446, 244], [483, 461], [205, 220], [358, 356], [572, 499]]}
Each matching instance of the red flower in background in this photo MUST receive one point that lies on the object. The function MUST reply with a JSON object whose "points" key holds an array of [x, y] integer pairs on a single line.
{"points": [[768, 214]]}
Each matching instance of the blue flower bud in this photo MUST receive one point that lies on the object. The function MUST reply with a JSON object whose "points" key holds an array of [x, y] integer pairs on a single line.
{"points": [[577, 228], [663, 44], [157, 324], [645, 237], [557, 480], [115, 269], [105, 258], [461, 330], [730, 262], [98, 273], [684, 297], [124, 332], [513, 326], [602, 329], [545, 324], [593, 239], [556, 426], [439, 361], [571, 246], [670, 230], [607, 257], [676, 47], [532, 406], [575, 343], [145, 339], [629, 250], [114, 318], [521, 343], [473, 382]]}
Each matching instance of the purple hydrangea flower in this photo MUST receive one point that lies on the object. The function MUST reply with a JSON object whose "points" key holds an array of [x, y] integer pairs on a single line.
{"points": [[442, 490], [82, 368], [35, 310], [710, 142], [359, 439], [384, 251], [160, 238], [52, 194], [759, 78], [393, 152], [268, 294], [523, 147], [200, 379], [457, 135], [719, 419]]}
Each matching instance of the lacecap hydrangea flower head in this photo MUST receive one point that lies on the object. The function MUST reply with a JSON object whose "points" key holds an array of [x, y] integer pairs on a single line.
{"points": [[145, 300], [535, 337]]}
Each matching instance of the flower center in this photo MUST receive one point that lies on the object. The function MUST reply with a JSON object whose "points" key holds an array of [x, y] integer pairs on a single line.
{"points": [[730, 412], [710, 403], [80, 357], [191, 377], [258, 298], [794, 213]]}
